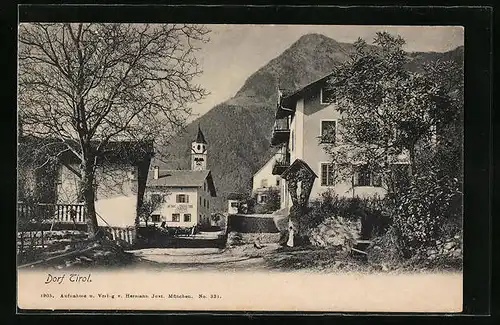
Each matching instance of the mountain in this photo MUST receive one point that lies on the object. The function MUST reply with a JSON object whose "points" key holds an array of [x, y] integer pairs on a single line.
{"points": [[238, 131]]}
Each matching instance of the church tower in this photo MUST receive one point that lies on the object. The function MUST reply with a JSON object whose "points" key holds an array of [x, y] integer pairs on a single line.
{"points": [[199, 152]]}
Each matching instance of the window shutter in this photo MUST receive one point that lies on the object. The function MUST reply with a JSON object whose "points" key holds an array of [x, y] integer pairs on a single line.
{"points": [[331, 174], [187, 198]]}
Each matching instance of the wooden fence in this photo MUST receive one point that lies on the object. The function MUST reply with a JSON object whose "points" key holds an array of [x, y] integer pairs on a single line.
{"points": [[121, 234], [35, 218], [46, 212]]}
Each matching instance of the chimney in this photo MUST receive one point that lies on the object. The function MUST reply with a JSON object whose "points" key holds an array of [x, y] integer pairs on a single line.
{"points": [[156, 172]]}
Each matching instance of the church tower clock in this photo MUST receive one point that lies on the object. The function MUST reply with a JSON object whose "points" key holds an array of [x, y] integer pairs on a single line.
{"points": [[199, 152]]}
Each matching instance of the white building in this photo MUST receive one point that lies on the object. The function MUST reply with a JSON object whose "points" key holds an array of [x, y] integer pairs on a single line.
{"points": [[302, 119], [264, 180], [184, 195]]}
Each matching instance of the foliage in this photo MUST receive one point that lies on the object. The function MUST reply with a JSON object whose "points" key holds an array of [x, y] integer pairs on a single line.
{"points": [[272, 203], [246, 205], [385, 249], [387, 109], [150, 204], [87, 85], [427, 205]]}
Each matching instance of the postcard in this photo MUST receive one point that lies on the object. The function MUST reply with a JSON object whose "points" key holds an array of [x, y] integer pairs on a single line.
{"points": [[219, 167]]}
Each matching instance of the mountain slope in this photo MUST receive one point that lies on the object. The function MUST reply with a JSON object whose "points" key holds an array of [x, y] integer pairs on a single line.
{"points": [[238, 131]]}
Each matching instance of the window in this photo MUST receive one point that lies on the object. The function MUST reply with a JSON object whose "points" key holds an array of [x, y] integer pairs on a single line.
{"points": [[277, 182], [263, 183], [328, 131], [187, 217], [327, 174], [326, 95], [208, 204], [182, 198], [200, 200], [263, 198], [234, 204], [176, 217], [363, 176], [155, 218], [205, 187]]}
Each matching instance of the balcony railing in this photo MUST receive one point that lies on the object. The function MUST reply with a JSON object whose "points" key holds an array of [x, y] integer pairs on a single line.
{"points": [[282, 162], [281, 131]]}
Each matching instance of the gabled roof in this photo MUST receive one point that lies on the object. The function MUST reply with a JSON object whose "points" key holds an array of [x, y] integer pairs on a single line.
{"points": [[121, 151], [182, 178], [288, 101], [200, 138], [270, 161], [296, 165]]}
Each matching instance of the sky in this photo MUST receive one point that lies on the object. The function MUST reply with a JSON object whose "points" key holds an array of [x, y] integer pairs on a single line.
{"points": [[234, 52]]}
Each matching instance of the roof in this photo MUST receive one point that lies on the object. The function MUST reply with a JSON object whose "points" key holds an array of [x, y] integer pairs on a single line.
{"points": [[115, 151], [182, 178], [296, 165], [269, 161], [200, 138], [289, 100]]}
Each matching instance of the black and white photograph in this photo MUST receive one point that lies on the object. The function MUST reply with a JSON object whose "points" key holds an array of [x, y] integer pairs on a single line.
{"points": [[240, 167]]}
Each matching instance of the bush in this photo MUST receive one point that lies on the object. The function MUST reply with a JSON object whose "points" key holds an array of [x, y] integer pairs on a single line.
{"points": [[271, 205], [385, 250], [424, 209]]}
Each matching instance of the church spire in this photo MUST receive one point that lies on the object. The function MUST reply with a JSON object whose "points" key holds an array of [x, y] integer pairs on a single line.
{"points": [[199, 152], [200, 138]]}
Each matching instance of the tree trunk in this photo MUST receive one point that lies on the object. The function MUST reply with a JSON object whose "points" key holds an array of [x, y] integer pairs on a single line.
{"points": [[88, 195]]}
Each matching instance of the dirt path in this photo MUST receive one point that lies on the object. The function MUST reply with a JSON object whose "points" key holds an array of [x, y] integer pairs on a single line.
{"points": [[239, 258]]}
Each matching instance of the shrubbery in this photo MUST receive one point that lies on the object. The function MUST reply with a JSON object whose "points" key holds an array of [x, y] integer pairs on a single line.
{"points": [[425, 211]]}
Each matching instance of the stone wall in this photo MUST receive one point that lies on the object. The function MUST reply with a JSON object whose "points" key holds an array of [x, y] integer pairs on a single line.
{"points": [[236, 238], [449, 248]]}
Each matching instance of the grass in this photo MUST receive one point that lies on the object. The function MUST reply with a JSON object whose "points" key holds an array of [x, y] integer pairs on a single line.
{"points": [[314, 259]]}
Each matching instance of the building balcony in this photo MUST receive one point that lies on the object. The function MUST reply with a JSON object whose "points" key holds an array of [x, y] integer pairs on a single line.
{"points": [[281, 132], [282, 162]]}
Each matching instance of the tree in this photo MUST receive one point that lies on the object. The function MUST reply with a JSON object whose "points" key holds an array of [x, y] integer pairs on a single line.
{"points": [[386, 109], [152, 203], [87, 85], [272, 202], [246, 205]]}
